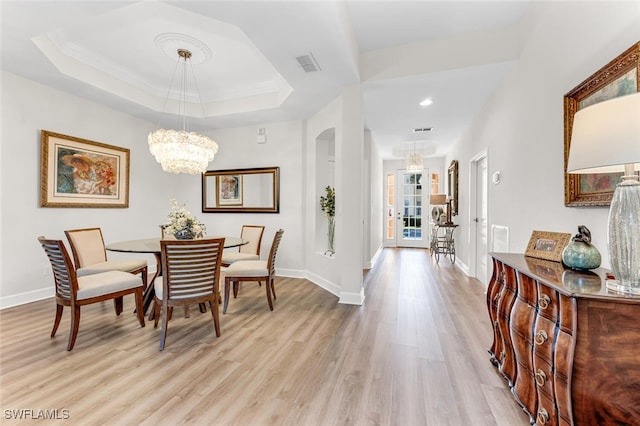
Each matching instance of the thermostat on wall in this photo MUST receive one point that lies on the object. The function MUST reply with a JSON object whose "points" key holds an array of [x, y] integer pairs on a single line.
{"points": [[496, 177]]}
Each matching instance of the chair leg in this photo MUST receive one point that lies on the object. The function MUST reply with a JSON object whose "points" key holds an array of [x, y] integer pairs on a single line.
{"points": [[75, 324], [213, 304], [227, 282], [56, 322], [156, 308], [139, 307], [118, 303], [165, 324], [273, 287], [236, 286], [267, 287], [145, 273], [203, 307]]}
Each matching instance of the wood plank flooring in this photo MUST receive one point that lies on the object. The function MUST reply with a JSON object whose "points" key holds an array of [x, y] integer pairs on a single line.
{"points": [[413, 354]]}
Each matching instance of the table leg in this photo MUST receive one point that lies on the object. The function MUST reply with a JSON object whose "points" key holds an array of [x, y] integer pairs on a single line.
{"points": [[150, 292]]}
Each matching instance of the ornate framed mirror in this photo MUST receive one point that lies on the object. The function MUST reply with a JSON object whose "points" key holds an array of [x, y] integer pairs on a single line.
{"points": [[241, 190], [452, 186]]}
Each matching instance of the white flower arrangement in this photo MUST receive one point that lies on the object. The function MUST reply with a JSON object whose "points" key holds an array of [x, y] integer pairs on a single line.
{"points": [[182, 224]]}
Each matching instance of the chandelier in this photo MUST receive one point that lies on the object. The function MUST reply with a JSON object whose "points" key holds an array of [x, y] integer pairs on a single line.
{"points": [[415, 162], [182, 151]]}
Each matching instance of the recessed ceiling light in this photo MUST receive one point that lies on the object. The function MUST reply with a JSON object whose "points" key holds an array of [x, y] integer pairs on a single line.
{"points": [[426, 102]]}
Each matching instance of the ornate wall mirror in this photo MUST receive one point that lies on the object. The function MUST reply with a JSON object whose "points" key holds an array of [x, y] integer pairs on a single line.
{"points": [[241, 190], [452, 187]]}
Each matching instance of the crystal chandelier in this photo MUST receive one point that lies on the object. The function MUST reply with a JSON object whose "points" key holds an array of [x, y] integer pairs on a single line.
{"points": [[182, 151], [415, 162]]}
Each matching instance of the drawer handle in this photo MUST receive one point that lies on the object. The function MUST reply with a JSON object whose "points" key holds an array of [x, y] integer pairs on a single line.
{"points": [[541, 337], [544, 301], [541, 378], [502, 275], [503, 355], [496, 298], [543, 416]]}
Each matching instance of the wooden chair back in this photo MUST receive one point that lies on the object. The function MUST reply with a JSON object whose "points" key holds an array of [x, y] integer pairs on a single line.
{"points": [[271, 263], [191, 270], [64, 274]]}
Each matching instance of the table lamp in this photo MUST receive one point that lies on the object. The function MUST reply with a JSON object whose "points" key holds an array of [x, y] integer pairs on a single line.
{"points": [[606, 139], [441, 200]]}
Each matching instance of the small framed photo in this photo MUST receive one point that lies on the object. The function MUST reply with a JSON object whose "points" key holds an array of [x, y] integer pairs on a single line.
{"points": [[229, 190], [547, 245], [77, 172]]}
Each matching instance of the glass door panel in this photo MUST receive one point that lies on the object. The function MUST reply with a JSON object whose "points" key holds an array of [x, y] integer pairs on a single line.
{"points": [[411, 226]]}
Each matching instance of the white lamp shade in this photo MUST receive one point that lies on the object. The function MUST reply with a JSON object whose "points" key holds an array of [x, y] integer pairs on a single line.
{"points": [[606, 136]]}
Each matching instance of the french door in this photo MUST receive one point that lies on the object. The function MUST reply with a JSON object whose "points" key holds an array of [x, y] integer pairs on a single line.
{"points": [[412, 196]]}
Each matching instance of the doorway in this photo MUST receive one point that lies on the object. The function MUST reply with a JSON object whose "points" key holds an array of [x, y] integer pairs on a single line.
{"points": [[412, 192], [479, 207]]}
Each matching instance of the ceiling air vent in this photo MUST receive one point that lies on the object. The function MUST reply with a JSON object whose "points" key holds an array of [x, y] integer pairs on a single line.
{"points": [[422, 129], [308, 63]]}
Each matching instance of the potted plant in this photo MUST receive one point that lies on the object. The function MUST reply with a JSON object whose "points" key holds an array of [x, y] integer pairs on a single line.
{"points": [[328, 207], [182, 224]]}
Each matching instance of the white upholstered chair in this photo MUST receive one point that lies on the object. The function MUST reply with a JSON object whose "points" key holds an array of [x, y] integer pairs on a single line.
{"points": [[75, 291], [253, 270], [249, 251], [90, 255]]}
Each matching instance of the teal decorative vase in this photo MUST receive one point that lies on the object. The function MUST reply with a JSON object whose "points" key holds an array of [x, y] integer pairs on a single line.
{"points": [[185, 234], [580, 254]]}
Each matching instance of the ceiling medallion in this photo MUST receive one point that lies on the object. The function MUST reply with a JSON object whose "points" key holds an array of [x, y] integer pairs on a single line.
{"points": [[169, 43]]}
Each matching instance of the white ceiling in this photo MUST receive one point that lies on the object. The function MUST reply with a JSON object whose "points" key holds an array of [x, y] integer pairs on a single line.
{"points": [[401, 52]]}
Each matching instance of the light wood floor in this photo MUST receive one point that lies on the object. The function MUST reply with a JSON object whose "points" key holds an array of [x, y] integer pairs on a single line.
{"points": [[413, 354]]}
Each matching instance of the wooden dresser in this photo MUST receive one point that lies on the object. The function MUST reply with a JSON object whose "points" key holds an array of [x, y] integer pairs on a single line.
{"points": [[568, 348]]}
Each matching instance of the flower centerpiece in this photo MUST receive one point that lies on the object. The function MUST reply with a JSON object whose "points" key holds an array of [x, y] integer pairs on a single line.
{"points": [[182, 224], [328, 207]]}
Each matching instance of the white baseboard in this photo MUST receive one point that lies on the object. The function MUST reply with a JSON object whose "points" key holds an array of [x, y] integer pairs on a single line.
{"points": [[26, 297], [375, 257], [464, 268], [323, 283], [350, 298]]}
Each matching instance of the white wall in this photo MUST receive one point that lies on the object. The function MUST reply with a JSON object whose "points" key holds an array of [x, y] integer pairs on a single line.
{"points": [[27, 108], [522, 126], [238, 149]]}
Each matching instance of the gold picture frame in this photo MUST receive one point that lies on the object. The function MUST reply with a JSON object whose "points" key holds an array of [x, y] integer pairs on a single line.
{"points": [[547, 245], [77, 172], [258, 191], [619, 77]]}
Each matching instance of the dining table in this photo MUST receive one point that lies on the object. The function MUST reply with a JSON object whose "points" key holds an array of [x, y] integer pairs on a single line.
{"points": [[152, 246]]}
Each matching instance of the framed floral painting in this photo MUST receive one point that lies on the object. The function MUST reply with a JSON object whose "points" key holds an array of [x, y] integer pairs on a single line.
{"points": [[619, 77], [77, 172]]}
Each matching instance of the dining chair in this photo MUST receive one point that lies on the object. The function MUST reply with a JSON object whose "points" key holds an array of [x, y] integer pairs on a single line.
{"points": [[90, 255], [191, 271], [249, 251], [253, 270], [76, 291]]}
